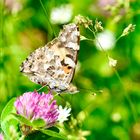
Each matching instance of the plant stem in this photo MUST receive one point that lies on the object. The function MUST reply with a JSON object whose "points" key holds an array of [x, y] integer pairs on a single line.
{"points": [[132, 107], [46, 13], [119, 78]]}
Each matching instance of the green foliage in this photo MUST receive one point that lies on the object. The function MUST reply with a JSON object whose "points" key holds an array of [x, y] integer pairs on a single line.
{"points": [[38, 123], [8, 109], [22, 120], [53, 134], [8, 121], [45, 134]]}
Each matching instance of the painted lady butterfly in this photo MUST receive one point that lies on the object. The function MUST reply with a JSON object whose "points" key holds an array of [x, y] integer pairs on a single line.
{"points": [[54, 64]]}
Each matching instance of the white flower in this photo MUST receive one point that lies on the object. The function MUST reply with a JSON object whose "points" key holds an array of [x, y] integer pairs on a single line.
{"points": [[106, 39], [112, 62], [61, 15], [63, 114], [116, 117]]}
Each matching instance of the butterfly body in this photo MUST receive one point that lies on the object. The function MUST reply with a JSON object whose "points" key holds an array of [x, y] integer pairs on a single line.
{"points": [[54, 64]]}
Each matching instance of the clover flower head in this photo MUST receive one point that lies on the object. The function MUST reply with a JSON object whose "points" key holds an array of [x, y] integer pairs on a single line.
{"points": [[63, 114], [1, 136], [33, 105]]}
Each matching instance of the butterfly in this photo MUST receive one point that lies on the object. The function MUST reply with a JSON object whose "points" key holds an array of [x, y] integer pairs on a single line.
{"points": [[54, 64]]}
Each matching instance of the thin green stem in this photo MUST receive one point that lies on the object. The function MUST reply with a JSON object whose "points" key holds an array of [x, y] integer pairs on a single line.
{"points": [[126, 96], [118, 38], [46, 13], [42, 87], [99, 42], [88, 39], [119, 78]]}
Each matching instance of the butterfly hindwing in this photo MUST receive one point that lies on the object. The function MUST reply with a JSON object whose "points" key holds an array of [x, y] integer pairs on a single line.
{"points": [[54, 64]]}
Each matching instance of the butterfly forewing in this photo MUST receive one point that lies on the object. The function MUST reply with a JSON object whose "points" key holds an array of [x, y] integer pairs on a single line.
{"points": [[54, 64]]}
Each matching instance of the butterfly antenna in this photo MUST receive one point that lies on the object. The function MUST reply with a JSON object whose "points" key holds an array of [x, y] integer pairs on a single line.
{"points": [[46, 13], [42, 87], [94, 92], [57, 94]]}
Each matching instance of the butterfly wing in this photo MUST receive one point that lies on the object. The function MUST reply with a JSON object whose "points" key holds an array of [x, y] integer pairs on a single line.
{"points": [[54, 64]]}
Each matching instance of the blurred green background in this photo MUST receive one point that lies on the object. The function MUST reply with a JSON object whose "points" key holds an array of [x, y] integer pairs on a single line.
{"points": [[114, 113]]}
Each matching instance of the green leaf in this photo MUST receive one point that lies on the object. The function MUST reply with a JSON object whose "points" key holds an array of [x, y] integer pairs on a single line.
{"points": [[38, 123], [5, 125], [37, 135], [7, 119], [22, 119], [54, 128], [82, 38], [8, 109], [54, 134]]}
